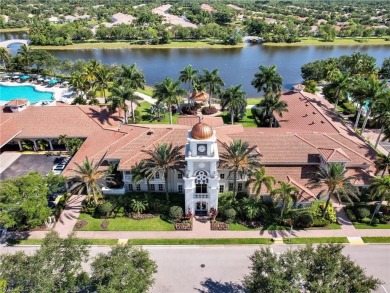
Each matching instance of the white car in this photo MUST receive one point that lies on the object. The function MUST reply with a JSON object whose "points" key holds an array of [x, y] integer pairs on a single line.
{"points": [[57, 169]]}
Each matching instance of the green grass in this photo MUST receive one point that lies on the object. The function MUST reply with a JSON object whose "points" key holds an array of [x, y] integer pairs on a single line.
{"points": [[239, 227], [337, 42], [14, 30], [145, 106], [126, 224], [333, 226], [221, 241], [315, 240], [80, 240], [366, 226], [247, 121], [24, 241], [148, 90], [253, 101], [376, 239]]}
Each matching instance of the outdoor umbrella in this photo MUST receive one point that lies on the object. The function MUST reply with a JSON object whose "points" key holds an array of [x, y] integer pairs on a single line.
{"points": [[15, 76], [40, 79], [53, 81], [25, 77], [47, 80]]}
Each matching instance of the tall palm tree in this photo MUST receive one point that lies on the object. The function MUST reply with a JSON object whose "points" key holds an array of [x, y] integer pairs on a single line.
{"points": [[340, 83], [270, 104], [190, 76], [234, 99], [25, 55], [358, 96], [103, 78], [382, 163], [212, 82], [381, 114], [119, 95], [259, 179], [162, 158], [168, 92], [240, 159], [77, 80], [285, 193], [86, 180], [268, 80], [334, 178], [5, 56], [132, 76], [376, 90]]}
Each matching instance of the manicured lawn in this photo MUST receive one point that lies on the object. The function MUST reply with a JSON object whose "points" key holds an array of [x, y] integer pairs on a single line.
{"points": [[239, 227], [332, 226], [145, 106], [253, 101], [148, 90], [126, 224], [247, 121], [86, 241], [376, 239], [366, 226], [315, 240], [24, 241], [221, 241]]}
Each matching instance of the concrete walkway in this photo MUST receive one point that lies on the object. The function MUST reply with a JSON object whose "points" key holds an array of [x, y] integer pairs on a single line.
{"points": [[7, 158], [146, 98], [69, 216]]}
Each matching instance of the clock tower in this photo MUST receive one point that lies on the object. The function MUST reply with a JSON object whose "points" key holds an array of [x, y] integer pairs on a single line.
{"points": [[201, 180]]}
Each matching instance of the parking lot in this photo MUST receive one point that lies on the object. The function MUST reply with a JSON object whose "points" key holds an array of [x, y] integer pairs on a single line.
{"points": [[25, 163]]}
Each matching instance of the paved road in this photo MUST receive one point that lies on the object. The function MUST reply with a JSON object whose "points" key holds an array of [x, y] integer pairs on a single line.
{"points": [[180, 271]]}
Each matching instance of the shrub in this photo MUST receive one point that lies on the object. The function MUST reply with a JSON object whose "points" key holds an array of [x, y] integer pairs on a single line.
{"points": [[365, 220], [104, 224], [209, 111], [230, 213], [189, 110], [175, 212], [105, 209], [304, 221], [320, 223], [350, 215], [375, 221], [348, 108], [362, 212]]}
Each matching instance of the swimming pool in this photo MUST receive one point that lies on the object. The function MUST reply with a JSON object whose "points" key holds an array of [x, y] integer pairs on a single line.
{"points": [[8, 93]]}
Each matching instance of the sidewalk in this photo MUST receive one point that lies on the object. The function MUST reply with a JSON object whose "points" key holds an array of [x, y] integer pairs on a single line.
{"points": [[69, 216]]}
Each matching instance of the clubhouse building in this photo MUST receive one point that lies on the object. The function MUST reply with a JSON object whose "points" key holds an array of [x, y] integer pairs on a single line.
{"points": [[309, 136]]}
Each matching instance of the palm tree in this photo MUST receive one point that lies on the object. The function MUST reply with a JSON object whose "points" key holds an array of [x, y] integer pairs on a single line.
{"points": [[5, 57], [103, 78], [268, 80], [138, 206], [358, 96], [162, 158], [376, 90], [212, 82], [132, 76], [381, 113], [240, 159], [25, 55], [188, 75], [86, 180], [285, 193], [119, 95], [333, 177], [380, 188], [169, 93], [77, 79], [235, 100], [258, 179], [270, 104], [382, 163], [340, 84]]}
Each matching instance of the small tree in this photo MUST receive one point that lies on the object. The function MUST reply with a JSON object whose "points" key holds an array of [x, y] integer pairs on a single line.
{"points": [[176, 212], [138, 206], [322, 269]]}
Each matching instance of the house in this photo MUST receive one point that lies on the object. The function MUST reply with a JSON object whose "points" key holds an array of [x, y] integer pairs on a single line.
{"points": [[309, 135]]}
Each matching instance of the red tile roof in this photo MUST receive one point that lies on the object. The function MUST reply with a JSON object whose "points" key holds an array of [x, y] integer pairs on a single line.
{"points": [[333, 155]]}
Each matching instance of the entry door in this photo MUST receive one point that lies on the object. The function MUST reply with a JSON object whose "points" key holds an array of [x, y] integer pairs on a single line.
{"points": [[201, 208]]}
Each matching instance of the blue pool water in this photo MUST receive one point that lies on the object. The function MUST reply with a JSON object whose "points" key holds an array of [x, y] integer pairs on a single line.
{"points": [[8, 93]]}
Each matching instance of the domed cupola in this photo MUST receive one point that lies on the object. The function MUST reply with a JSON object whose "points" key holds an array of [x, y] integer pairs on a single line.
{"points": [[201, 131]]}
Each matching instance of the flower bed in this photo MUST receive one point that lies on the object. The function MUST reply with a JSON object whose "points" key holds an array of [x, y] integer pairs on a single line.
{"points": [[136, 216], [81, 224], [215, 225], [183, 226]]}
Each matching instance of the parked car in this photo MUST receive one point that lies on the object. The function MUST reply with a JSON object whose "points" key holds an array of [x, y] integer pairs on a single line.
{"points": [[57, 169]]}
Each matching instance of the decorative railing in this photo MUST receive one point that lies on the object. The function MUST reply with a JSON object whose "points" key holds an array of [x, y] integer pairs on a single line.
{"points": [[201, 195]]}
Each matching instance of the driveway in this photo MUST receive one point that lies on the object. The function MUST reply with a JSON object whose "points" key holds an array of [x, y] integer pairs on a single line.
{"points": [[25, 163]]}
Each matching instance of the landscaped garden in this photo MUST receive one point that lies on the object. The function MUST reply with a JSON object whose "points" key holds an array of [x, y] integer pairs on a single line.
{"points": [[362, 216]]}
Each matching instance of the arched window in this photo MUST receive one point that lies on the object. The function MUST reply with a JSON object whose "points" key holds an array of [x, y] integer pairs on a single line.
{"points": [[201, 181]]}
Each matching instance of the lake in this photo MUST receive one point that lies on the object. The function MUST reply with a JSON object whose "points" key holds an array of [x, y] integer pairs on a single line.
{"points": [[237, 65]]}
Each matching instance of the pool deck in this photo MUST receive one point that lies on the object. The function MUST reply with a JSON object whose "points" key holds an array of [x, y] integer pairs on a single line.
{"points": [[59, 94]]}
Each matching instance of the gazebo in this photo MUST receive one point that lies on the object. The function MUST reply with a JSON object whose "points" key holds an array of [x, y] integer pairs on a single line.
{"points": [[199, 96], [18, 105]]}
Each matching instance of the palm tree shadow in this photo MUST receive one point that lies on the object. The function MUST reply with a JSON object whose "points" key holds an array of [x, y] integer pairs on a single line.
{"points": [[104, 116], [211, 286]]}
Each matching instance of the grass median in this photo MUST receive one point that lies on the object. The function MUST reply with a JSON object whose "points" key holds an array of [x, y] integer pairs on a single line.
{"points": [[376, 239], [206, 241], [314, 240], [83, 241]]}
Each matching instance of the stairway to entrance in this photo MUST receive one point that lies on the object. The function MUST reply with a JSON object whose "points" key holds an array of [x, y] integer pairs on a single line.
{"points": [[201, 224]]}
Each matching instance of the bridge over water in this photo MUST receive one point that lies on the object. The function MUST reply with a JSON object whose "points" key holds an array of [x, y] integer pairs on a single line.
{"points": [[6, 44]]}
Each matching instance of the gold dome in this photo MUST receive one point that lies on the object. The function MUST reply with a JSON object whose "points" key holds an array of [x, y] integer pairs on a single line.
{"points": [[201, 131]]}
